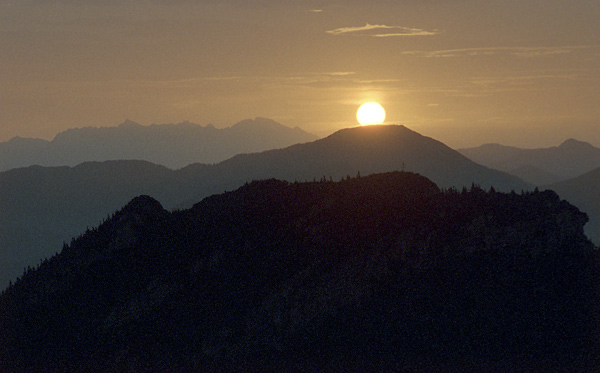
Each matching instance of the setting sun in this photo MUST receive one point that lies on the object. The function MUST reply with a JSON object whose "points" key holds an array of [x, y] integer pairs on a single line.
{"points": [[370, 113]]}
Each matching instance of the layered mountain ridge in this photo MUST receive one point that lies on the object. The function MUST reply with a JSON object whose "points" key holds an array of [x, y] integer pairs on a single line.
{"points": [[170, 145], [542, 166], [41, 207], [572, 169]]}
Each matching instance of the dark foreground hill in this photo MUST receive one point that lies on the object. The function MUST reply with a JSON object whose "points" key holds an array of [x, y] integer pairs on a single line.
{"points": [[42, 207], [384, 272], [170, 145]]}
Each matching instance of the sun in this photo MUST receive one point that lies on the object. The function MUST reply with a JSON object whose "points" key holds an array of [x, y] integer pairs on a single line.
{"points": [[370, 113]]}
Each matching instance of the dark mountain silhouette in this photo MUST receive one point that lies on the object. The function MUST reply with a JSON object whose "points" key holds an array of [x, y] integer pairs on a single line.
{"points": [[539, 166], [367, 149], [171, 145], [584, 192], [42, 207], [376, 273]]}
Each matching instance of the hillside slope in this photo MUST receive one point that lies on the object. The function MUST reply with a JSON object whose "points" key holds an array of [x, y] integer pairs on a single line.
{"points": [[384, 272]]}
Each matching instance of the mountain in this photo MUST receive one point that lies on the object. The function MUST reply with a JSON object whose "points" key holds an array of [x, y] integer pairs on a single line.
{"points": [[367, 149], [583, 192], [171, 145], [40, 208], [374, 273], [539, 166], [20, 152], [534, 175], [571, 169]]}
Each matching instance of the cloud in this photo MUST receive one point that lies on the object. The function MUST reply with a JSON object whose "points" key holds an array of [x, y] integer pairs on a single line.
{"points": [[306, 76], [491, 51], [315, 10], [528, 82], [340, 73], [382, 31], [377, 81]]}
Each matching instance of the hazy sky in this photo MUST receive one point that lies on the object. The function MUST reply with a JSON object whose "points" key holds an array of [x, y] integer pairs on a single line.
{"points": [[466, 72]]}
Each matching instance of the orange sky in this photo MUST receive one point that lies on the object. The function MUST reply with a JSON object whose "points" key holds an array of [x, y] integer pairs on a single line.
{"points": [[466, 72]]}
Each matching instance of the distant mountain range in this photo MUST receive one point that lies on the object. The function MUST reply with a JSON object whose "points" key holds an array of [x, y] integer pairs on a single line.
{"points": [[571, 169], [383, 272], [170, 145], [42, 207], [539, 166]]}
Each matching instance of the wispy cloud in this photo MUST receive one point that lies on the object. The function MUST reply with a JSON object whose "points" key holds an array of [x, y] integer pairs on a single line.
{"points": [[306, 76], [382, 31], [376, 81], [315, 10], [339, 73], [530, 82], [491, 51]]}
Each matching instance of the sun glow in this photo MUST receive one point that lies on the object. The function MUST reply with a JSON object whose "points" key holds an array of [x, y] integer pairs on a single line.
{"points": [[370, 113]]}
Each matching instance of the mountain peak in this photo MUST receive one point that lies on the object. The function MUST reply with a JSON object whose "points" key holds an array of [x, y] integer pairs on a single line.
{"points": [[18, 140], [391, 136], [129, 124], [372, 149], [257, 122], [370, 132], [136, 223], [575, 144], [144, 204]]}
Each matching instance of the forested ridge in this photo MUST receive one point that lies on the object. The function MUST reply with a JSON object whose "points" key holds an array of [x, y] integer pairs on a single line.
{"points": [[384, 271]]}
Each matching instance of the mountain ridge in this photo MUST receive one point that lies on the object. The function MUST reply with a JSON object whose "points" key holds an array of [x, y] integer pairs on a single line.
{"points": [[378, 148], [40, 208], [171, 145], [377, 272], [548, 165]]}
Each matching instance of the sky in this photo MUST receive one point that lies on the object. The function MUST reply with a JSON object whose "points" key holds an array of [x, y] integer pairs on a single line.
{"points": [[465, 72]]}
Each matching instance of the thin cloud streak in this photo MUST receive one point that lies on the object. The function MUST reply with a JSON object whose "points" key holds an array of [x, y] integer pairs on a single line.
{"points": [[192, 82], [491, 51], [476, 87], [533, 83], [366, 30]]}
